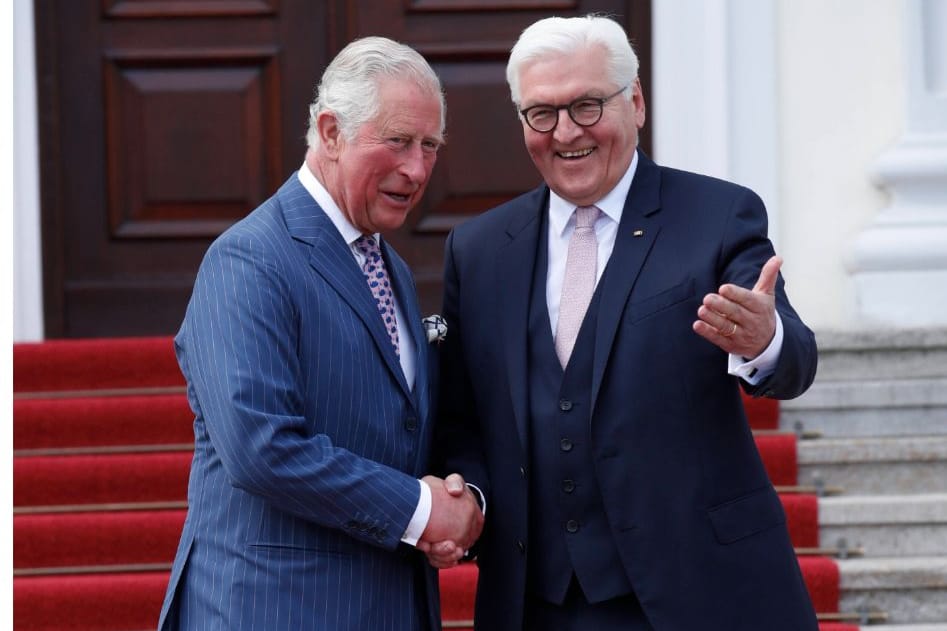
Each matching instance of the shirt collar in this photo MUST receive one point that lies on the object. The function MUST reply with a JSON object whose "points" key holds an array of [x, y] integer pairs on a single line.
{"points": [[319, 193], [560, 210]]}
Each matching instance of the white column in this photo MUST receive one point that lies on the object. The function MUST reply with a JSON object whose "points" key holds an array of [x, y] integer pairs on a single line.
{"points": [[899, 263], [27, 261], [714, 107]]}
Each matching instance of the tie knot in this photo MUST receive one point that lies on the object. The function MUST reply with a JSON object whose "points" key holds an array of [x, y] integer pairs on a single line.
{"points": [[585, 216], [368, 246]]}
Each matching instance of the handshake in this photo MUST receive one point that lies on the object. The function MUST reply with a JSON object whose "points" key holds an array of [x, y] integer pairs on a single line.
{"points": [[455, 523]]}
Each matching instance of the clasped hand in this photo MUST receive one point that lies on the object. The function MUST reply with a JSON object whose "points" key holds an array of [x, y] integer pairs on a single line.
{"points": [[455, 523]]}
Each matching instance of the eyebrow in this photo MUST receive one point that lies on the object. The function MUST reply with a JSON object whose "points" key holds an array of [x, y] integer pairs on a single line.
{"points": [[586, 95]]}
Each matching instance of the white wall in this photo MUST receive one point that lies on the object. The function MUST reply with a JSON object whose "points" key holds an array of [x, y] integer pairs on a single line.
{"points": [[841, 88]]}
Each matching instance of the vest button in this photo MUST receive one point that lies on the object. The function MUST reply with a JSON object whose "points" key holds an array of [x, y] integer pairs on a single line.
{"points": [[565, 405], [565, 444], [411, 423], [523, 472], [521, 546], [572, 526], [568, 486]]}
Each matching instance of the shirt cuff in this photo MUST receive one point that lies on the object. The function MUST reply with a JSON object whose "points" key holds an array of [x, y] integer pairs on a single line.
{"points": [[763, 365], [422, 514], [481, 500]]}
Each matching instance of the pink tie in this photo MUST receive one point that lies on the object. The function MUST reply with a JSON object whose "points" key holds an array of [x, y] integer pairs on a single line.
{"points": [[578, 284], [377, 277]]}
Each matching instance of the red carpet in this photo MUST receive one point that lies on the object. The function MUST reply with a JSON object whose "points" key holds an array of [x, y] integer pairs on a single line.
{"points": [[82, 602], [779, 455], [87, 539], [116, 478], [98, 421], [133, 362], [144, 434]]}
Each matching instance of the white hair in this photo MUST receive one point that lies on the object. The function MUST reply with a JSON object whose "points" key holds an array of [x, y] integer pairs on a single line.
{"points": [[349, 85], [563, 36]]}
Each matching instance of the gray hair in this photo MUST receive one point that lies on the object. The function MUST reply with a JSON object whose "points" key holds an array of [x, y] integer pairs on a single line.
{"points": [[562, 36], [349, 85]]}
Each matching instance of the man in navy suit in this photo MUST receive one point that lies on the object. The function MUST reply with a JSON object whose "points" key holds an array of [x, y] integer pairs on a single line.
{"points": [[306, 365], [601, 327]]}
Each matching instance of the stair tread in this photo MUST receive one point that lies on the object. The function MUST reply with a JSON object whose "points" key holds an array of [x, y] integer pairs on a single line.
{"points": [[921, 508], [88, 539], [99, 479], [101, 421], [842, 450], [893, 572], [88, 364]]}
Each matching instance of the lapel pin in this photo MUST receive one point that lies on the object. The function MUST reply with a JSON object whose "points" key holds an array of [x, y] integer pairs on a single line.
{"points": [[638, 233]]}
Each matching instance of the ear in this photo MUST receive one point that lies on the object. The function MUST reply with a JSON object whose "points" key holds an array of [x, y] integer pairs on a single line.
{"points": [[637, 101], [330, 134]]}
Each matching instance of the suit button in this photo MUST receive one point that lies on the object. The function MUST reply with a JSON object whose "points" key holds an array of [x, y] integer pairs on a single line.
{"points": [[565, 405], [521, 546], [565, 444], [568, 486], [523, 472], [572, 526], [411, 423]]}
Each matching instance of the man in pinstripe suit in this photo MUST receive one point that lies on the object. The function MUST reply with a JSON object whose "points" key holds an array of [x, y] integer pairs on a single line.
{"points": [[309, 382]]}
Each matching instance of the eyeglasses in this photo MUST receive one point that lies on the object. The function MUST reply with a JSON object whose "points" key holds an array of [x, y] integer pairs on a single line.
{"points": [[584, 112]]}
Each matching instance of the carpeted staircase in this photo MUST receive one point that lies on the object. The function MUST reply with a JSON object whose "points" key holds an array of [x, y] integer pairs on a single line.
{"points": [[102, 446]]}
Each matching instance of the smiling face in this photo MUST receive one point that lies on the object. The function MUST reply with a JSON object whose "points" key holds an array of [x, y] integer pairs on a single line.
{"points": [[379, 175], [581, 164]]}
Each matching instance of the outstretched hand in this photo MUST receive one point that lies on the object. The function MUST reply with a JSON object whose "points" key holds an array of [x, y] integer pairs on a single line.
{"points": [[738, 320]]}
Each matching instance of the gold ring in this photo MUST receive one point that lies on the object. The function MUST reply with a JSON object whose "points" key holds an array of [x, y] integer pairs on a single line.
{"points": [[732, 331]]}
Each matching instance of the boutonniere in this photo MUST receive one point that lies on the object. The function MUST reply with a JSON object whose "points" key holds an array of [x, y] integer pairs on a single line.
{"points": [[435, 326]]}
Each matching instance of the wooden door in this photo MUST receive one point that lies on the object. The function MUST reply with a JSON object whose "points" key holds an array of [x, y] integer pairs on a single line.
{"points": [[164, 121]]}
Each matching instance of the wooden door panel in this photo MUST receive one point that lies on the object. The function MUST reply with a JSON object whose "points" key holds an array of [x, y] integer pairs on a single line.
{"points": [[162, 123], [217, 109]]}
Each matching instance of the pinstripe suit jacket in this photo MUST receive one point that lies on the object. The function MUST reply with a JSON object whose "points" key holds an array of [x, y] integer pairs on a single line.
{"points": [[308, 441]]}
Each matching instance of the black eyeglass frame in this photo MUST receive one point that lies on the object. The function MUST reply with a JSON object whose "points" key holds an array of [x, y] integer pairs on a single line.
{"points": [[568, 108]]}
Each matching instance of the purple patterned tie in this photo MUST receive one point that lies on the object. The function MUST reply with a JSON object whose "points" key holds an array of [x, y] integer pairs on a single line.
{"points": [[578, 282], [377, 276]]}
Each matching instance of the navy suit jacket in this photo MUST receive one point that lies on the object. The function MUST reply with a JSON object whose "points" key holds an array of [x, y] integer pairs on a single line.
{"points": [[308, 440], [699, 528]]}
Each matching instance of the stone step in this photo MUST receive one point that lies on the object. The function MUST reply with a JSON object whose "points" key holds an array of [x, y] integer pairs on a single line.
{"points": [[857, 355], [885, 526], [870, 407], [910, 590], [875, 465], [875, 382], [942, 626]]}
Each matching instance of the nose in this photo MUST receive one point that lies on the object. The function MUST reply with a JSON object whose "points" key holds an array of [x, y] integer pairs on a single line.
{"points": [[566, 130], [413, 165]]}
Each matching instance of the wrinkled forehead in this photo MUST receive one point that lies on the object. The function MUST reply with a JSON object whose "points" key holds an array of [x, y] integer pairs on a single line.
{"points": [[408, 109]]}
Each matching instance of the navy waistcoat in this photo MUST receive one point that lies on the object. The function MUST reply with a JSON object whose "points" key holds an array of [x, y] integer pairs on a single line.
{"points": [[569, 533]]}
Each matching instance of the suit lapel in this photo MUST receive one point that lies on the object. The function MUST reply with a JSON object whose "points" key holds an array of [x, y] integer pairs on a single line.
{"points": [[637, 231], [332, 259], [514, 278]]}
